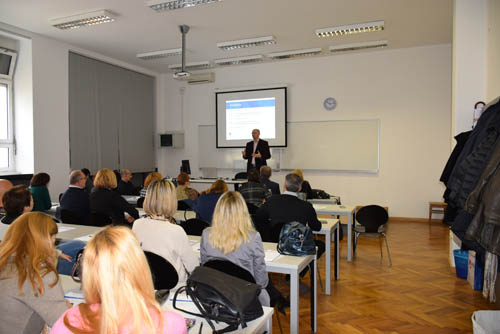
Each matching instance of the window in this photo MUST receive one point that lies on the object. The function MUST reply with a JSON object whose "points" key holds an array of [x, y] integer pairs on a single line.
{"points": [[6, 126]]}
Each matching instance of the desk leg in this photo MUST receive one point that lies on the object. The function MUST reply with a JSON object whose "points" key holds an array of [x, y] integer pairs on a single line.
{"points": [[269, 324], [349, 238], [294, 302], [337, 253], [315, 291], [328, 241]]}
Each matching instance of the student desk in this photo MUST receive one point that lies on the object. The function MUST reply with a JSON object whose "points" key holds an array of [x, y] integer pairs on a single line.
{"points": [[291, 265], [339, 210], [179, 215], [257, 326], [328, 226]]}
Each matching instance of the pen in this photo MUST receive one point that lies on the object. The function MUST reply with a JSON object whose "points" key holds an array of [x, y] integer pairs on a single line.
{"points": [[181, 300], [201, 326]]}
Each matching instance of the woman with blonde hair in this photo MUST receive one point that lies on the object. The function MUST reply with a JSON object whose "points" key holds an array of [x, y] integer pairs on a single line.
{"points": [[154, 176], [30, 292], [118, 291], [158, 232], [204, 205], [106, 202], [232, 237], [305, 187]]}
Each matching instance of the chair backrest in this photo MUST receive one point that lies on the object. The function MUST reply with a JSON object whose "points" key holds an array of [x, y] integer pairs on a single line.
{"points": [[371, 217], [241, 176], [165, 276], [194, 226], [69, 217], [140, 202], [230, 268], [183, 206], [100, 219], [252, 208]]}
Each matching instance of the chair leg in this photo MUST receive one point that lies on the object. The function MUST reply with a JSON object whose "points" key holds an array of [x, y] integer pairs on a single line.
{"points": [[356, 236], [388, 252], [380, 244], [320, 280], [278, 318]]}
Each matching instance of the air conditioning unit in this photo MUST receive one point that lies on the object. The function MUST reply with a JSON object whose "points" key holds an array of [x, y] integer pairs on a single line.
{"points": [[201, 78]]}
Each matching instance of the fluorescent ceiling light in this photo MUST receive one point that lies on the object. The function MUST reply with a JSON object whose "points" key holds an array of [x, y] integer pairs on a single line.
{"points": [[359, 46], [350, 29], [163, 5], [239, 60], [245, 43], [200, 65], [82, 20], [295, 53], [159, 54]]}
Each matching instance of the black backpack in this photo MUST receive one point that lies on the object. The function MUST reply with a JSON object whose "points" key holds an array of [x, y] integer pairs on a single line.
{"points": [[296, 239]]}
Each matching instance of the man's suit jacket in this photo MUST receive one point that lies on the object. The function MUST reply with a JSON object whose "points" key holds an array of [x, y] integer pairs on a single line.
{"points": [[273, 186], [111, 203], [263, 148], [77, 201], [280, 209]]}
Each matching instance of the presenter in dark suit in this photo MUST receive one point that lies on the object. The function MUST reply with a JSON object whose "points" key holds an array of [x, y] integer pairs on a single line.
{"points": [[256, 151]]}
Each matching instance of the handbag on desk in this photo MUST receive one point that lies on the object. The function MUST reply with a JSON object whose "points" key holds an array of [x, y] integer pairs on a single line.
{"points": [[296, 239], [222, 297]]}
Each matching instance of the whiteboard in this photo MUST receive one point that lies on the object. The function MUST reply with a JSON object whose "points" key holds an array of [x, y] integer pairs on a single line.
{"points": [[333, 145], [330, 145]]}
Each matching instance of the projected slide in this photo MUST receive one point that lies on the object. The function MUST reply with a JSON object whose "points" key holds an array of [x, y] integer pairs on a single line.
{"points": [[242, 116]]}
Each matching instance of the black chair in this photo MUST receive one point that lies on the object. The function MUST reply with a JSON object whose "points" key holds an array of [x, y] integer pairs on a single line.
{"points": [[69, 217], [240, 176], [194, 226], [372, 220], [140, 202], [100, 219], [252, 208], [164, 275]]}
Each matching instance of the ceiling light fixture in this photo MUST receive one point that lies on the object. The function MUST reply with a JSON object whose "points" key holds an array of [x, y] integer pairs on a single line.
{"points": [[200, 65], [294, 53], [350, 29], [239, 60], [162, 5], [359, 46], [159, 54], [246, 43], [82, 20]]}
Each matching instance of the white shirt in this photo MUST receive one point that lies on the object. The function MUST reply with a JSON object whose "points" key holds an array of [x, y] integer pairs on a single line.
{"points": [[255, 143]]}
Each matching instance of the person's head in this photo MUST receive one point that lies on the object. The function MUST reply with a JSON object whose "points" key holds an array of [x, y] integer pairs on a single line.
{"points": [[255, 134], [17, 200], [231, 223], [266, 172], [40, 179], [29, 240], [253, 175], [77, 178], [183, 179], [299, 173], [86, 172], [154, 176], [105, 178], [293, 183], [161, 199], [117, 277], [218, 187], [5, 185], [125, 175]]}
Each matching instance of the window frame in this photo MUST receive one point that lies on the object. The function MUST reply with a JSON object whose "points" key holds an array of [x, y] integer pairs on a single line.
{"points": [[10, 141]]}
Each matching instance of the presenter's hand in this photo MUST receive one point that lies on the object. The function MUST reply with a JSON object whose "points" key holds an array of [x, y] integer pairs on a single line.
{"points": [[257, 155], [243, 153]]}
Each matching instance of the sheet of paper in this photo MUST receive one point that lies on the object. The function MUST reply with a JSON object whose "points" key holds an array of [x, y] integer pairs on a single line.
{"points": [[85, 238], [64, 228], [271, 255], [196, 247], [75, 296]]}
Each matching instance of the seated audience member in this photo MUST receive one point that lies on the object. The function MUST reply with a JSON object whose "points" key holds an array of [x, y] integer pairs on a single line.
{"points": [[75, 199], [118, 291], [305, 186], [88, 180], [38, 187], [154, 176], [204, 205], [5, 185], [232, 237], [30, 292], [265, 179], [16, 201], [158, 232], [286, 208], [183, 191], [253, 191], [105, 201], [125, 187]]}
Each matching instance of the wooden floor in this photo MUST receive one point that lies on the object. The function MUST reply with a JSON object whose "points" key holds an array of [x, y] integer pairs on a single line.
{"points": [[419, 294]]}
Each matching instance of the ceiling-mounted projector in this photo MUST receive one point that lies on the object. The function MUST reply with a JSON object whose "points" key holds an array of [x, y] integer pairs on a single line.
{"points": [[183, 73]]}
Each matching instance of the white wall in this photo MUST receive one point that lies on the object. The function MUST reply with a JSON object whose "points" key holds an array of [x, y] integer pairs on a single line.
{"points": [[50, 104], [409, 90], [493, 61]]}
